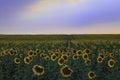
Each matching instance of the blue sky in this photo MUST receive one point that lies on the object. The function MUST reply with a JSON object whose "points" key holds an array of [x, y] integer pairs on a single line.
{"points": [[59, 17]]}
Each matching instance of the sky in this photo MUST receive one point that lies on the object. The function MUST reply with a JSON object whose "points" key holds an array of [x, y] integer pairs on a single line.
{"points": [[59, 17]]}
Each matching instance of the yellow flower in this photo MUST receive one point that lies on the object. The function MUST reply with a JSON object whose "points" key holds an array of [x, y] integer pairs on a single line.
{"points": [[38, 70], [87, 62], [11, 52], [79, 52], [5, 52], [61, 61], [30, 53], [47, 58], [74, 51], [111, 63], [17, 60], [30, 57], [75, 57], [57, 54], [65, 57], [68, 54], [85, 56], [37, 51], [111, 55], [21, 55], [101, 55], [99, 59], [15, 52], [53, 57], [27, 60], [2, 54], [42, 55], [87, 51], [66, 71], [91, 75]]}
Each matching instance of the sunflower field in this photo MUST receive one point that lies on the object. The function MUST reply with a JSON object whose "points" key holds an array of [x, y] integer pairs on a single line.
{"points": [[59, 57]]}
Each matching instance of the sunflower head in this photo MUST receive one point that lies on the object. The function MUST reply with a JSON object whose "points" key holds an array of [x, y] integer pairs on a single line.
{"points": [[111, 55], [30, 53], [66, 71], [11, 52], [42, 55], [61, 61], [74, 51], [38, 70], [47, 58], [65, 57], [75, 57], [6, 52], [27, 60], [111, 63], [68, 54], [85, 56], [91, 75], [30, 57], [99, 59], [87, 62], [17, 60], [37, 51], [79, 52], [101, 55], [21, 55], [87, 51], [57, 54], [53, 57], [15, 52]]}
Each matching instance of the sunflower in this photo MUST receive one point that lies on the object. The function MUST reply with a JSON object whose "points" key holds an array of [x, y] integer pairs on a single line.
{"points": [[42, 55], [65, 57], [30, 57], [37, 51], [85, 56], [99, 59], [11, 52], [101, 55], [68, 54], [57, 54], [66, 71], [111, 63], [30, 53], [61, 61], [45, 55], [38, 70], [75, 57], [47, 58], [74, 51], [2, 53], [106, 54], [5, 52], [21, 55], [17, 60], [87, 62], [15, 52], [27, 60], [87, 51], [91, 75], [79, 52], [111, 55], [53, 57]]}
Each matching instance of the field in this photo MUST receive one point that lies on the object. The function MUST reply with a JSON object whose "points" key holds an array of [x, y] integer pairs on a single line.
{"points": [[59, 57]]}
